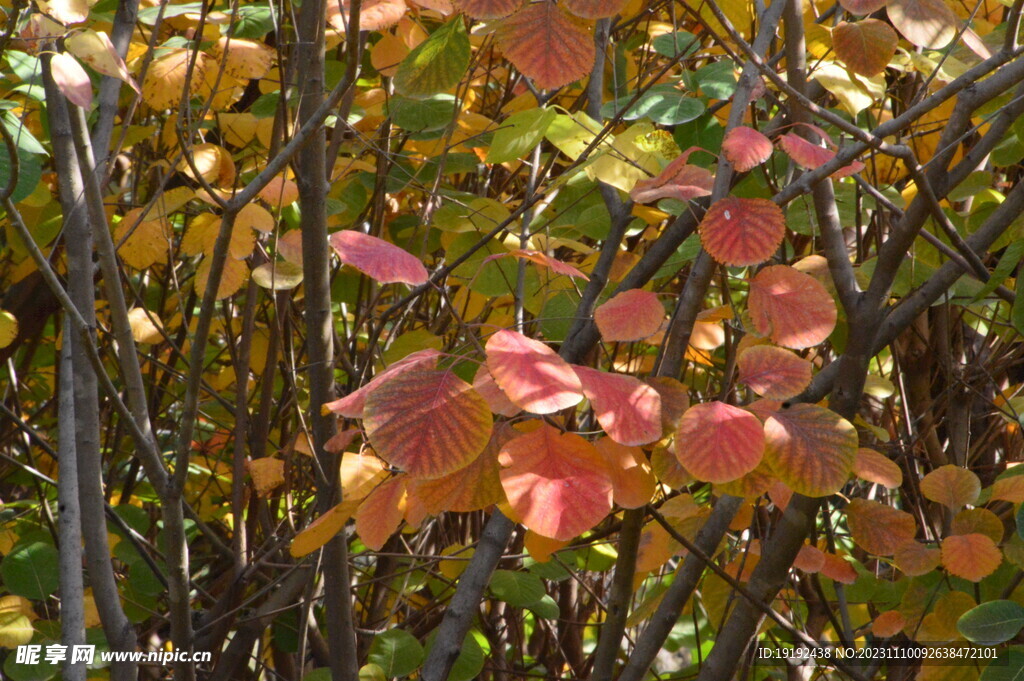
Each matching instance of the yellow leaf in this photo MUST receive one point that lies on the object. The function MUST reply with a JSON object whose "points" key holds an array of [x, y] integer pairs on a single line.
{"points": [[256, 217], [147, 243], [267, 474], [167, 78], [15, 629], [323, 529], [201, 234], [8, 328], [244, 59], [236, 272], [213, 163], [145, 326]]}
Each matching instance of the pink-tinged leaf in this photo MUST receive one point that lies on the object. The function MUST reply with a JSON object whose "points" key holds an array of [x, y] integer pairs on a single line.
{"points": [[866, 46], [633, 482], [472, 488], [96, 50], [381, 261], [351, 406], [628, 409], [810, 156], [838, 569], [862, 7], [877, 468], [629, 316], [951, 486], [428, 423], [594, 9], [971, 556], [66, 11], [975, 43], [810, 448], [925, 23], [71, 79], [531, 374], [678, 180], [675, 399], [740, 232], [773, 372], [557, 483], [718, 442], [547, 45], [540, 259], [489, 9], [374, 15], [381, 512], [790, 307], [810, 559], [495, 397], [746, 148], [340, 441], [878, 528]]}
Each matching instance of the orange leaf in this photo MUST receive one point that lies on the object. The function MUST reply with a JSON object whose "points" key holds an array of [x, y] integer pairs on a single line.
{"points": [[978, 521], [1010, 489], [838, 569], [746, 148], [628, 409], [668, 469], [773, 372], [427, 423], [951, 486], [546, 44], [323, 529], [531, 374], [718, 442], [678, 180], [594, 9], [810, 448], [540, 547], [655, 548], [971, 556], [633, 483], [865, 46], [675, 399], [279, 192], [810, 156], [752, 485], [166, 79], [876, 467], [489, 9], [374, 15], [381, 512], [496, 399], [71, 79], [359, 474], [556, 482], [810, 559], [629, 316], [381, 261], [790, 307], [267, 474], [862, 7], [540, 259], [926, 23], [888, 624], [472, 488], [879, 529], [915, 559], [740, 232], [352, 405], [243, 59]]}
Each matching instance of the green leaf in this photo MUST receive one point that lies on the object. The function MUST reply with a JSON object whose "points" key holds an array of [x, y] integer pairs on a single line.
{"points": [[1009, 666], [254, 21], [1007, 263], [673, 44], [31, 570], [470, 661], [992, 623], [370, 672], [521, 589], [519, 134], [717, 80], [437, 63], [397, 652], [662, 104], [1017, 311], [29, 173], [422, 115], [546, 608]]}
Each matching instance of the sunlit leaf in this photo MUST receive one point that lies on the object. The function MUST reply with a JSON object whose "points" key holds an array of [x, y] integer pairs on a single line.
{"points": [[668, 469], [675, 399], [915, 559], [214, 164], [360, 474], [352, 405], [267, 474], [718, 442], [96, 50], [381, 261], [547, 45], [495, 397], [1009, 489], [323, 529], [741, 232], [531, 374], [746, 148], [243, 59], [489, 9], [146, 326], [790, 307], [838, 569], [233, 276], [810, 448], [863, 7], [628, 409], [629, 316], [426, 422], [679, 180], [951, 486], [8, 328], [66, 11], [278, 276], [540, 259], [633, 482], [810, 156], [436, 64], [925, 23], [594, 9], [380, 513], [878, 528], [773, 372], [374, 15], [71, 79], [472, 488], [557, 483], [865, 46], [142, 244], [876, 467], [167, 78], [971, 556]]}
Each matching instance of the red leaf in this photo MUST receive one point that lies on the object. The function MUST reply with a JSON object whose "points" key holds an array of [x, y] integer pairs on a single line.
{"points": [[810, 559], [810, 156], [540, 259], [746, 148], [838, 569], [888, 624], [427, 423], [374, 15], [877, 468], [496, 399], [773, 372], [633, 483], [628, 409], [489, 9], [862, 7], [472, 488], [352, 405], [381, 261], [381, 512], [557, 483], [629, 316], [547, 45], [594, 9], [531, 374], [879, 529], [677, 181], [866, 46], [717, 442], [790, 307], [742, 232], [71, 79], [810, 448]]}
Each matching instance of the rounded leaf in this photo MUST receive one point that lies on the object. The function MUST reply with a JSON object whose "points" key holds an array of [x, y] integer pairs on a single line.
{"points": [[810, 156], [877, 468], [428, 423], [278, 276], [838, 569], [547, 45], [472, 488], [740, 232], [790, 307], [557, 483], [810, 448], [243, 59], [531, 374], [397, 652], [8, 328], [925, 23], [489, 9], [71, 79], [888, 624], [594, 9], [718, 442], [951, 486], [167, 78], [374, 15], [628, 409], [31, 570], [381, 512], [878, 528], [96, 50], [971, 556], [520, 589], [862, 7], [992, 623], [675, 399], [352, 405], [865, 46], [774, 373], [746, 148], [978, 521], [633, 482], [916, 559], [630, 316], [381, 261], [679, 180], [436, 64], [495, 397]]}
